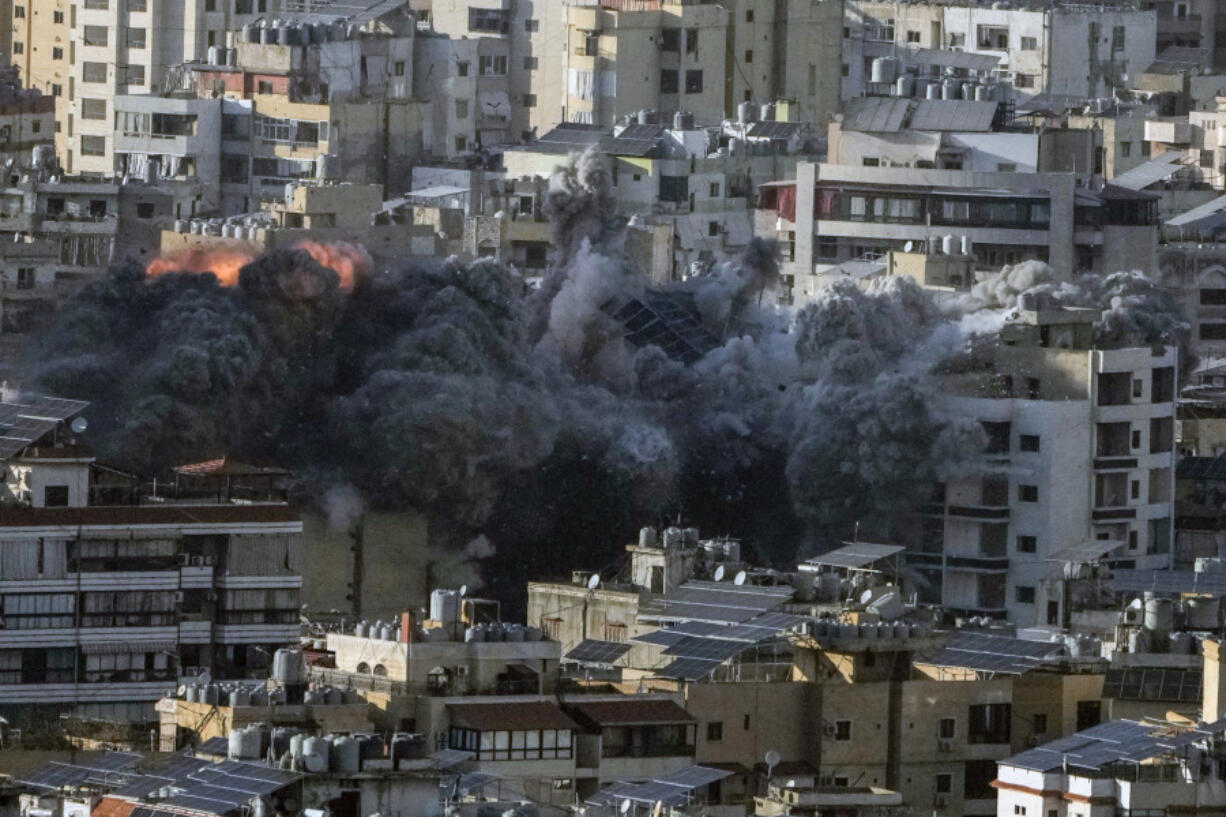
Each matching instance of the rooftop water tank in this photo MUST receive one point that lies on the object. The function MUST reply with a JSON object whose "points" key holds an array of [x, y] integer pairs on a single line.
{"points": [[951, 88], [315, 752], [213, 55], [904, 86], [240, 696], [474, 634], [1159, 615], [288, 666], [745, 112], [766, 112], [359, 629], [883, 70], [647, 537], [333, 696], [932, 90], [346, 757], [683, 120], [295, 744], [445, 606]]}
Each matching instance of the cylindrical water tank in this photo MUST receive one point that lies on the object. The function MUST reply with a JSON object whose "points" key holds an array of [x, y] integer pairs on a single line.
{"points": [[647, 537], [445, 606], [904, 86], [474, 634], [532, 634], [1159, 615], [1136, 641], [967, 246], [213, 55], [513, 632], [315, 754], [683, 121], [766, 112], [1202, 613], [868, 631], [672, 537], [251, 34], [259, 696], [182, 225], [210, 694], [196, 227], [240, 696], [932, 90], [950, 88], [249, 743], [346, 756], [745, 112], [333, 696], [295, 745], [883, 70], [436, 634], [191, 693], [268, 35], [947, 244], [372, 747], [643, 117], [968, 90], [314, 697], [235, 745], [359, 629], [847, 630], [288, 666]]}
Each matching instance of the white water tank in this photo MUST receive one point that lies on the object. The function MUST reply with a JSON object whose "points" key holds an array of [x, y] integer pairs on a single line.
{"points": [[951, 88], [968, 246], [904, 86], [359, 629], [474, 634], [932, 90], [315, 752], [214, 55], [745, 113], [245, 744], [647, 537], [288, 666], [683, 120], [983, 93], [883, 70], [346, 755], [295, 745], [766, 112], [1159, 615], [240, 696], [672, 537], [445, 606]]}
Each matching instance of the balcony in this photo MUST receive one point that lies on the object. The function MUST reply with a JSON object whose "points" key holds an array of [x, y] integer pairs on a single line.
{"points": [[979, 564], [1114, 463], [1169, 132], [984, 513], [1107, 514]]}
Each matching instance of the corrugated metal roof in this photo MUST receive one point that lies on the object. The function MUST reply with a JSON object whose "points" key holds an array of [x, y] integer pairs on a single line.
{"points": [[630, 711], [1206, 215], [510, 717], [1153, 171]]}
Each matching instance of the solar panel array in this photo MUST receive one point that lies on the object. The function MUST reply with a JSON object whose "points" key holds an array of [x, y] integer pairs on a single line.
{"points": [[111, 767], [667, 320], [980, 652], [214, 746], [1153, 684], [855, 555], [708, 649], [1103, 745], [672, 789], [689, 669], [1172, 582], [717, 601], [24, 422], [591, 651]]}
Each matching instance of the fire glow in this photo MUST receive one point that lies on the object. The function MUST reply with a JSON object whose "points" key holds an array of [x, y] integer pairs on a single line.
{"points": [[349, 261]]}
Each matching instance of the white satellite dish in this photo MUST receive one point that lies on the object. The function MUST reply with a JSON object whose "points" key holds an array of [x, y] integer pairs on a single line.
{"points": [[79, 425], [908, 246], [624, 807], [719, 574], [463, 590], [740, 577], [772, 760], [592, 583]]}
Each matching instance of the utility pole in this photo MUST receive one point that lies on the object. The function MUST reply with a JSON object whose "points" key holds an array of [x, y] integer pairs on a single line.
{"points": [[357, 535]]}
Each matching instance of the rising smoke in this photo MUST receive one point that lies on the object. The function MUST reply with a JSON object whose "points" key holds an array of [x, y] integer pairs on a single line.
{"points": [[524, 423]]}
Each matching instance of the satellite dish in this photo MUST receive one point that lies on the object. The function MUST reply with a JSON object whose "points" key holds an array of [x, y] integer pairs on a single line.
{"points": [[79, 425], [740, 577], [908, 246], [719, 573], [463, 590], [592, 584], [772, 760], [624, 807]]}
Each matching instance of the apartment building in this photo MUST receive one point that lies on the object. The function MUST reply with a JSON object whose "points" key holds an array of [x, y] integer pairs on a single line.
{"points": [[106, 601], [835, 213], [467, 83], [1081, 451], [1070, 50]]}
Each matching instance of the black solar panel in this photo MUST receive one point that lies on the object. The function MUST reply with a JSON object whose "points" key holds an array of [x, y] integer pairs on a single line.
{"points": [[664, 319], [1153, 684], [710, 649], [598, 652], [108, 767], [988, 653], [660, 637], [1171, 582], [688, 669], [214, 746]]}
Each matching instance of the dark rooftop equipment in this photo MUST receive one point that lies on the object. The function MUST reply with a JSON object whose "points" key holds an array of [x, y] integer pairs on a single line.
{"points": [[668, 320]]}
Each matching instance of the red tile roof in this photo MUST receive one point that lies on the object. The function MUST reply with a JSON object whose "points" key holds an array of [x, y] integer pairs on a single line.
{"points": [[113, 807], [629, 711], [510, 716], [159, 515], [228, 467]]}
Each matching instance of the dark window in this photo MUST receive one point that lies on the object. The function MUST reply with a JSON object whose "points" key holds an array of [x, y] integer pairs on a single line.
{"points": [[989, 723], [1162, 389], [1029, 442], [1089, 713], [693, 82], [668, 81], [715, 730], [93, 145], [1027, 544], [1025, 594], [1213, 331], [55, 496], [842, 730], [947, 728], [1213, 297], [749, 15], [1028, 493], [674, 188], [749, 56], [495, 21], [670, 39], [1113, 388], [944, 783], [977, 784], [144, 209], [1038, 724], [998, 437]]}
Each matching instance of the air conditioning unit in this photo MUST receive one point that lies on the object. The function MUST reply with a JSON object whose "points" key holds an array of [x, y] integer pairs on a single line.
{"points": [[940, 801], [945, 745], [830, 729]]}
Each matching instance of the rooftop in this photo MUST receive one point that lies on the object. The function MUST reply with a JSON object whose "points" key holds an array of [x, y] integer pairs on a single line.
{"points": [[510, 717], [1110, 744], [629, 712]]}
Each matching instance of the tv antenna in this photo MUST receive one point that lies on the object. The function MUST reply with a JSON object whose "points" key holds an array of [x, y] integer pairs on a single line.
{"points": [[719, 573], [772, 760], [592, 583], [741, 575]]}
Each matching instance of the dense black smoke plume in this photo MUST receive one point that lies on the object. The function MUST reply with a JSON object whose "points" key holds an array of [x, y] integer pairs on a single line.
{"points": [[528, 420]]}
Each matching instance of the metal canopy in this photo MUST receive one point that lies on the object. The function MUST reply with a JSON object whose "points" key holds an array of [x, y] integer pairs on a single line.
{"points": [[671, 789], [852, 556], [1091, 550], [591, 651], [953, 59], [1171, 582], [1151, 172]]}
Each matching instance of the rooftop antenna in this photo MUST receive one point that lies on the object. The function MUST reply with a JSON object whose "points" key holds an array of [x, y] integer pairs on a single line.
{"points": [[772, 760], [79, 425]]}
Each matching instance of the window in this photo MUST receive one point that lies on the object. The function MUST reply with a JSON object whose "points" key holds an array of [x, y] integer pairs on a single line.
{"points": [[1038, 723], [492, 66], [1089, 713], [674, 188], [712, 228], [715, 730], [947, 728], [134, 37], [529, 102], [1025, 594], [693, 82], [138, 5], [1030, 44], [20, 11], [1208, 331], [746, 723], [461, 109], [93, 109], [1024, 80], [715, 190], [670, 39], [668, 81], [93, 72], [25, 278], [1029, 442], [1126, 150], [1117, 38], [944, 783], [234, 168], [532, 25], [461, 69], [57, 17], [57, 53], [531, 63], [842, 730], [55, 496], [398, 68], [19, 48], [913, 36], [989, 723], [1028, 493], [748, 56], [1138, 387], [461, 143], [691, 41], [263, 86], [493, 21], [749, 15], [1162, 389], [93, 145], [1027, 544]]}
